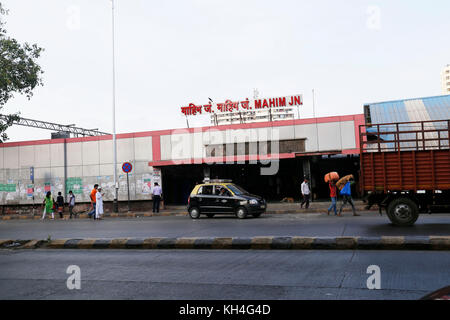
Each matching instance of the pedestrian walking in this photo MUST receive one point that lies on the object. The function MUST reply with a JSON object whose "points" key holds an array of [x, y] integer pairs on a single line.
{"points": [[93, 202], [156, 196], [306, 193], [71, 204], [333, 196], [99, 204], [346, 193], [48, 205], [60, 204]]}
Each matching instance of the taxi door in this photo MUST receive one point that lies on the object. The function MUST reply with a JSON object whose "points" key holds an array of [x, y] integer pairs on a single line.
{"points": [[205, 199], [224, 200]]}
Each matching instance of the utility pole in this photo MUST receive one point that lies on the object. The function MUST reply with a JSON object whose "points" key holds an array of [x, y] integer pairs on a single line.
{"points": [[313, 180], [116, 184], [315, 119]]}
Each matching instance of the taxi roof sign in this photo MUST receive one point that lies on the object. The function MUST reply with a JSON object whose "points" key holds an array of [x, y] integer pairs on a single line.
{"points": [[217, 180]]}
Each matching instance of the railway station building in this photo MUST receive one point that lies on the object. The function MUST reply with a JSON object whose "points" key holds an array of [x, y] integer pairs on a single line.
{"points": [[266, 158]]}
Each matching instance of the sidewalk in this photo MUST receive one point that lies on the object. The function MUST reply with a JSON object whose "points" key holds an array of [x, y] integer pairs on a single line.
{"points": [[272, 208]]}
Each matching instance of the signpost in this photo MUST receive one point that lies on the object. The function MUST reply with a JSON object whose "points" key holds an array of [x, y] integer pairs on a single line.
{"points": [[31, 186], [127, 167]]}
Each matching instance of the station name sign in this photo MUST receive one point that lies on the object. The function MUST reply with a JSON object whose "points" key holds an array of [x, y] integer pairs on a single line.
{"points": [[246, 105]]}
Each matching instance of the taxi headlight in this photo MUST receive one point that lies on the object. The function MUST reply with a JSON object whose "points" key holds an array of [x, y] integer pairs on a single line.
{"points": [[253, 201]]}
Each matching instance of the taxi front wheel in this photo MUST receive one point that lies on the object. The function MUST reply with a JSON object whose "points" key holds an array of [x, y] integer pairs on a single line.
{"points": [[194, 213], [241, 213]]}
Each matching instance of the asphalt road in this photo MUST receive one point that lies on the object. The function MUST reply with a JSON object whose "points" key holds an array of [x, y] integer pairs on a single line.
{"points": [[311, 225], [221, 274]]}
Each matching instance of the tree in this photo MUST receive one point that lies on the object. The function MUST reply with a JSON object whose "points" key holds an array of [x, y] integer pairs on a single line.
{"points": [[19, 71]]}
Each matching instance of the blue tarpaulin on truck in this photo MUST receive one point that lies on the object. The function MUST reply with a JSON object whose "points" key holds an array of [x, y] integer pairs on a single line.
{"points": [[419, 109]]}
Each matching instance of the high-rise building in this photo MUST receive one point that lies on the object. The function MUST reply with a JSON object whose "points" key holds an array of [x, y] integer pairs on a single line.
{"points": [[445, 80]]}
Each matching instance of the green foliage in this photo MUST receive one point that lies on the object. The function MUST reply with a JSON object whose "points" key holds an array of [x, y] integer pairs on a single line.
{"points": [[19, 71]]}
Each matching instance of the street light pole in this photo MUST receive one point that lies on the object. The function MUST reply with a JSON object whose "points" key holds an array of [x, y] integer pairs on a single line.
{"points": [[115, 203], [315, 120]]}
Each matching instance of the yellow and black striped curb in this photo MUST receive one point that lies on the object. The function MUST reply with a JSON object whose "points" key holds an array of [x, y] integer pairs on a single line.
{"points": [[277, 243]]}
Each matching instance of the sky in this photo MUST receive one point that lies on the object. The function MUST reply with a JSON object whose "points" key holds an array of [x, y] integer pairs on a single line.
{"points": [[172, 53]]}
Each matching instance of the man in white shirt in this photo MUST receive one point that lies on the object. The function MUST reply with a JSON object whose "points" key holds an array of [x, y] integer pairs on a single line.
{"points": [[71, 204], [156, 196], [306, 194]]}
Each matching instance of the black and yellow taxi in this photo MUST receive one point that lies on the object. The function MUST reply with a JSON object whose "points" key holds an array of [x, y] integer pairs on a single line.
{"points": [[223, 197]]}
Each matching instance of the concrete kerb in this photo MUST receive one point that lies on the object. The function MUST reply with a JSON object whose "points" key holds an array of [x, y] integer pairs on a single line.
{"points": [[343, 243], [151, 243], [261, 242], [86, 243], [203, 243], [5, 242], [33, 244], [56, 244], [440, 242], [222, 243], [254, 243], [281, 243], [300, 243], [118, 243], [185, 243], [416, 243], [134, 244]]}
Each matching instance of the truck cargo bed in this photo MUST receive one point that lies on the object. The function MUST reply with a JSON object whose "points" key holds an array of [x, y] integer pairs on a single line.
{"points": [[405, 170], [405, 156]]}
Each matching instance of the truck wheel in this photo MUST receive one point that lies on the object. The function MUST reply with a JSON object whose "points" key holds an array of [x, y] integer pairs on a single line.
{"points": [[194, 213], [241, 213], [403, 212]]}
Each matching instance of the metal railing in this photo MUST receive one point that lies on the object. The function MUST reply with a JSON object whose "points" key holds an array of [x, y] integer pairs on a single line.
{"points": [[405, 136]]}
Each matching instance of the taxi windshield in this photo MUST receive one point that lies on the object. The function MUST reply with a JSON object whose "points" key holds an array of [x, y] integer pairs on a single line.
{"points": [[236, 189]]}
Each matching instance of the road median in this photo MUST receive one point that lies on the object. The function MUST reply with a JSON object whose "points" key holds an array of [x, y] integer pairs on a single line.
{"points": [[239, 243]]}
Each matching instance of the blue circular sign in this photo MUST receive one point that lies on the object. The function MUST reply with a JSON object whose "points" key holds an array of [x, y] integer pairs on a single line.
{"points": [[127, 167]]}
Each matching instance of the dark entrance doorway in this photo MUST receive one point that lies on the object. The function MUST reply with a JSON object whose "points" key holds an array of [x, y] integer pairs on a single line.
{"points": [[178, 182], [342, 164], [285, 183]]}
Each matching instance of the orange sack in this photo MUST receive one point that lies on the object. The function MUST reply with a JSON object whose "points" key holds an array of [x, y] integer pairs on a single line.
{"points": [[331, 176], [341, 183]]}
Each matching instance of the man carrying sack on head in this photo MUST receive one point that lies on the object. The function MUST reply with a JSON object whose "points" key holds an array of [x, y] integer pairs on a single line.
{"points": [[344, 185]]}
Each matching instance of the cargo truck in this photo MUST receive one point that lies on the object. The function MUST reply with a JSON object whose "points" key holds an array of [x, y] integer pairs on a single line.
{"points": [[405, 168]]}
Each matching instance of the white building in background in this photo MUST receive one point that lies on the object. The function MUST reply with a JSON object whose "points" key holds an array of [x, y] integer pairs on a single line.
{"points": [[250, 116], [445, 79]]}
